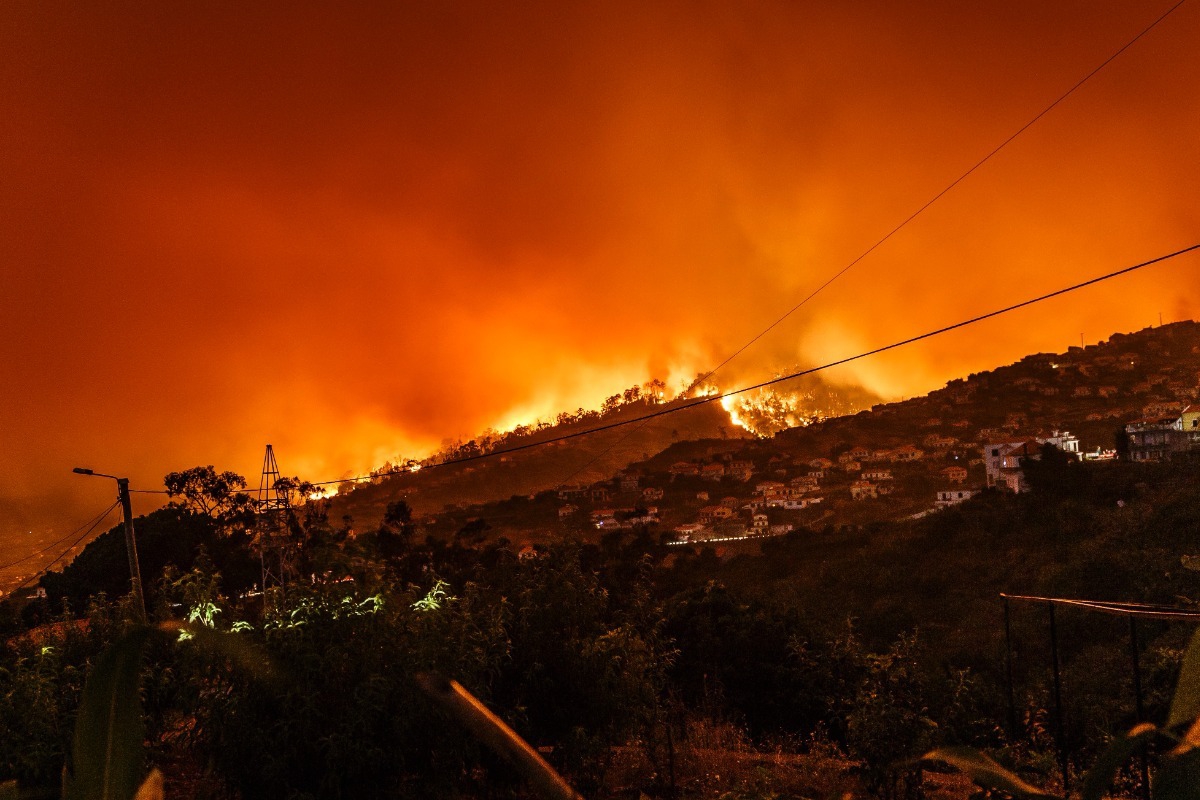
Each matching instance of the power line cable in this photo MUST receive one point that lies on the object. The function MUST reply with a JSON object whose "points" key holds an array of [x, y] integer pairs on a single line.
{"points": [[938, 196], [782, 378], [1060, 99], [628, 435], [957, 325], [37, 575], [1114, 607], [54, 544], [705, 376]]}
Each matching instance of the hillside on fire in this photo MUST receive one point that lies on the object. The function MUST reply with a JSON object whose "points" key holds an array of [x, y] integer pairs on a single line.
{"points": [[659, 638], [707, 477]]}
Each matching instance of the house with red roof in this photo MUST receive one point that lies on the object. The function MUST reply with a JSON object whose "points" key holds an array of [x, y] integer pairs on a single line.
{"points": [[955, 474], [862, 490], [907, 453]]}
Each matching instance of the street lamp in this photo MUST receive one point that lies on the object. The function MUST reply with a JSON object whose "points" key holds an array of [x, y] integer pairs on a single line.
{"points": [[135, 571]]}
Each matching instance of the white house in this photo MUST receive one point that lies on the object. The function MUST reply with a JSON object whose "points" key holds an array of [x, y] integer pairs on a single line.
{"points": [[950, 497], [690, 532]]}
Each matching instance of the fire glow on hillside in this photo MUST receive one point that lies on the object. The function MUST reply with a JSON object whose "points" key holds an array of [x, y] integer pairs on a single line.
{"points": [[367, 230], [765, 412]]}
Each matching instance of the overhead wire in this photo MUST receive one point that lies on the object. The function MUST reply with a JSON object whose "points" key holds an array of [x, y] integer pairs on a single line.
{"points": [[700, 379], [823, 286], [645, 419], [694, 402], [54, 544], [37, 575], [1119, 608], [942, 193]]}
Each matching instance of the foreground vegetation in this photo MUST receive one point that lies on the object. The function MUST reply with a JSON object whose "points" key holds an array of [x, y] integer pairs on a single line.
{"points": [[810, 667]]}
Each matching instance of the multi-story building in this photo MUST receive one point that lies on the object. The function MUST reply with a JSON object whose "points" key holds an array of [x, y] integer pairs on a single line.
{"points": [[1189, 423], [1156, 438]]}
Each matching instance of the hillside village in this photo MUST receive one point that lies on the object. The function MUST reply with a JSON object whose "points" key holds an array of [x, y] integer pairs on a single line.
{"points": [[1133, 395]]}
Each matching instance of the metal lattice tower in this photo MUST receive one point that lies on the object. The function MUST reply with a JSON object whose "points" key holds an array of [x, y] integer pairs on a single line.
{"points": [[269, 497], [277, 548]]}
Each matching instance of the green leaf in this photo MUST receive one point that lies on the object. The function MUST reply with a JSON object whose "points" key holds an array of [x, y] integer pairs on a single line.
{"points": [[1178, 777], [1118, 752], [984, 771], [1185, 705], [237, 648], [106, 758]]}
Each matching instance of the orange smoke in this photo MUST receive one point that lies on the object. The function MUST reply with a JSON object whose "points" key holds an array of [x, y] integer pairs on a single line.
{"points": [[357, 232]]}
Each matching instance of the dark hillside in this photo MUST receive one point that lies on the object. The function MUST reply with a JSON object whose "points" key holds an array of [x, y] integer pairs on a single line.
{"points": [[1123, 532], [1090, 392], [582, 460], [866, 628]]}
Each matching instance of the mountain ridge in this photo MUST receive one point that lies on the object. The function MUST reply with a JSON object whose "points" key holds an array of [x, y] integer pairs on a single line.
{"points": [[1091, 391]]}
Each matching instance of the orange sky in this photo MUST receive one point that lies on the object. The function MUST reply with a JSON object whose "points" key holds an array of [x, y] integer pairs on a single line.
{"points": [[354, 233]]}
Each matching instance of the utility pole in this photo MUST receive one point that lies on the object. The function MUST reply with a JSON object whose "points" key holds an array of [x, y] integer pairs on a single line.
{"points": [[135, 571]]}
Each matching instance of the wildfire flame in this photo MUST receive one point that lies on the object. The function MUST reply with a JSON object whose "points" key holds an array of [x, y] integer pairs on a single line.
{"points": [[730, 404], [765, 412]]}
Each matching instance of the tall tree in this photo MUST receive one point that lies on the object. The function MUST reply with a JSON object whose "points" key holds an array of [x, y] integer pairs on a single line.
{"points": [[203, 490]]}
